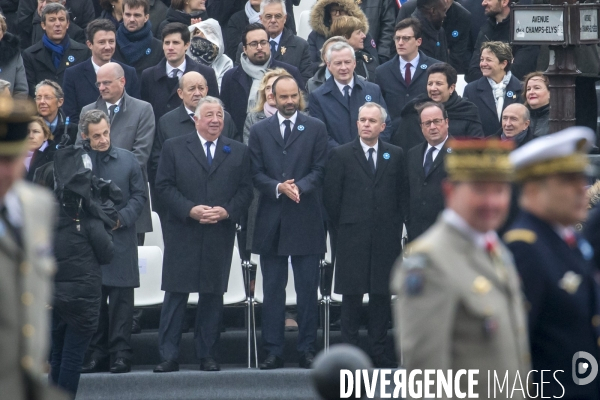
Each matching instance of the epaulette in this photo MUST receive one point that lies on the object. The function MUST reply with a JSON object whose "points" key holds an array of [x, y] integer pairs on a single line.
{"points": [[520, 235], [417, 246]]}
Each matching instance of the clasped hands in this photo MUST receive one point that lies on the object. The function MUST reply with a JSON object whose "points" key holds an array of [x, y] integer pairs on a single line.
{"points": [[208, 215], [290, 189]]}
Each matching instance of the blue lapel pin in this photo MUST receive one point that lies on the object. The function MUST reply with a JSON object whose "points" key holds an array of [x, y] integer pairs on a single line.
{"points": [[300, 128], [368, 98], [448, 150], [454, 33], [71, 58], [117, 109], [509, 93], [148, 50], [423, 66], [386, 156]]}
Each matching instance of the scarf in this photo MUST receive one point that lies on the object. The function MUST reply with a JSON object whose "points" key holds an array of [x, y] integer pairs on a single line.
{"points": [[269, 110], [499, 90], [253, 16], [203, 50], [256, 72], [517, 139], [58, 50], [133, 45]]}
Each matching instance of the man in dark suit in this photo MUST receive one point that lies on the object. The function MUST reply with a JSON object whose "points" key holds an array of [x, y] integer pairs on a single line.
{"points": [[365, 194], [337, 101], [159, 83], [136, 46], [112, 340], [204, 179], [35, 35], [431, 14], [399, 85], [80, 92], [240, 84], [49, 58], [288, 153], [555, 263], [426, 170], [285, 45], [192, 88]]}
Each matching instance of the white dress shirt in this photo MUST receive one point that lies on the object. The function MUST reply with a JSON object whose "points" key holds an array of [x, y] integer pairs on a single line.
{"points": [[212, 148], [366, 148], [413, 66], [282, 130], [181, 68], [111, 104], [480, 239], [341, 86], [435, 152], [96, 66]]}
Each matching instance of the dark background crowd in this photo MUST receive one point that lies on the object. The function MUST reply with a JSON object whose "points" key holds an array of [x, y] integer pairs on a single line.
{"points": [[131, 79]]}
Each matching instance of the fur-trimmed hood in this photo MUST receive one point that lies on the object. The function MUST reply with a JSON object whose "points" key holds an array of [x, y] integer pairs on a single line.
{"points": [[9, 47], [320, 20]]}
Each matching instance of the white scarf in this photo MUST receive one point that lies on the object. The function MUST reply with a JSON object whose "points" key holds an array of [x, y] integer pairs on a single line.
{"points": [[253, 16], [498, 90], [256, 72]]}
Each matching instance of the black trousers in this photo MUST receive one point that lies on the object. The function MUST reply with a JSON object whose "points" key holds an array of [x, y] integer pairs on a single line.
{"points": [[207, 329], [113, 336], [379, 309]]}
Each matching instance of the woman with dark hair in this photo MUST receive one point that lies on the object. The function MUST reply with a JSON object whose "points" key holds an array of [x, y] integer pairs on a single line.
{"points": [[354, 31], [41, 146], [11, 62], [187, 12], [112, 10], [536, 91], [497, 88]]}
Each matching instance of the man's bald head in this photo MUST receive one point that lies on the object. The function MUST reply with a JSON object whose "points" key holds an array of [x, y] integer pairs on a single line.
{"points": [[515, 119], [110, 80], [192, 87]]}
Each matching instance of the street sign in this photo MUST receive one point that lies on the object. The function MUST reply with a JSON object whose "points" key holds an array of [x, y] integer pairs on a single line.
{"points": [[588, 24], [539, 25]]}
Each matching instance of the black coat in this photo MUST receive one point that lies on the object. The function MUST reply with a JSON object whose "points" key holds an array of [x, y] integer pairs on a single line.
{"points": [[481, 94], [121, 167], [74, 31], [457, 27], [393, 86], [150, 59], [235, 90], [233, 33], [38, 63], [283, 226], [158, 13], [463, 121], [562, 312], [40, 158], [368, 212], [63, 128], [540, 120], [79, 86], [80, 249], [161, 91], [178, 16], [381, 15], [366, 65], [198, 256], [524, 57], [478, 19], [426, 197], [434, 41], [295, 53]]}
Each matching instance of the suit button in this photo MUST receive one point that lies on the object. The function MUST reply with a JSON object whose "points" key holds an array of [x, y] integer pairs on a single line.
{"points": [[407, 95], [27, 299], [28, 330], [27, 362], [25, 267], [596, 320], [284, 152], [283, 174], [424, 183]]}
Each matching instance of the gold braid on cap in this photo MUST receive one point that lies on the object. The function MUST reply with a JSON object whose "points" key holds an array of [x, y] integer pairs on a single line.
{"points": [[573, 163], [479, 160]]}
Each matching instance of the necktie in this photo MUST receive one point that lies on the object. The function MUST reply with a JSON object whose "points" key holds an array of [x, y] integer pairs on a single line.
{"points": [[491, 247], [273, 47], [111, 112], [287, 131], [407, 75], [569, 238], [175, 73], [192, 116], [428, 161], [370, 160], [209, 157], [347, 94]]}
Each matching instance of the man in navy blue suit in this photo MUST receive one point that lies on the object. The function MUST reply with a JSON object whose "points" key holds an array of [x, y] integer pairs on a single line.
{"points": [[337, 101], [240, 84], [288, 152], [555, 263], [79, 83]]}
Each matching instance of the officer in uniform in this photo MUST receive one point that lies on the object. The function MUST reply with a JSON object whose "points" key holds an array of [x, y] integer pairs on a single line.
{"points": [[26, 264], [555, 263], [459, 304]]}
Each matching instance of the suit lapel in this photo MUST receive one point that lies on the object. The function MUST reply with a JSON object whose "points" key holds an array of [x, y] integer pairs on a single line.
{"points": [[89, 73], [439, 158], [362, 159], [382, 162], [275, 130], [396, 71], [420, 160], [220, 155], [195, 147], [421, 67], [487, 94], [296, 132], [335, 92], [45, 57]]}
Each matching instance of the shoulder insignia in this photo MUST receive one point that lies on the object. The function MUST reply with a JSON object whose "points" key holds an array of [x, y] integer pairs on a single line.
{"points": [[415, 278], [520, 235]]}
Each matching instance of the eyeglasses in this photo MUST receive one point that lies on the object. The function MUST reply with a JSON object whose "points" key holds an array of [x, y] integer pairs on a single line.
{"points": [[254, 45], [44, 98], [106, 83], [269, 17], [436, 122], [402, 38]]}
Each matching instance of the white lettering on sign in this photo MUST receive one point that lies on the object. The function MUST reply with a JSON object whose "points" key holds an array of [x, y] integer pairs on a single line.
{"points": [[544, 26], [588, 24]]}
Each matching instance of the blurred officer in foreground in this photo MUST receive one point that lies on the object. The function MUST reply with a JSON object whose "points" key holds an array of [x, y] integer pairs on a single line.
{"points": [[459, 303], [555, 263], [26, 264]]}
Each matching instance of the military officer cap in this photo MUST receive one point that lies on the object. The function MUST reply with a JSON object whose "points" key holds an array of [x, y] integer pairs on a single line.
{"points": [[561, 152], [15, 116], [470, 160]]}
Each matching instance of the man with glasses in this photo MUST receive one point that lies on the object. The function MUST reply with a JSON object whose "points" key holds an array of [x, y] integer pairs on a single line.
{"points": [[285, 45], [240, 84], [49, 98], [426, 170], [131, 128], [48, 58], [404, 77]]}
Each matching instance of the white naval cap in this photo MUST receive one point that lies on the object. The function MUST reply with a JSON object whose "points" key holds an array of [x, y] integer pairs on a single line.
{"points": [[561, 152]]}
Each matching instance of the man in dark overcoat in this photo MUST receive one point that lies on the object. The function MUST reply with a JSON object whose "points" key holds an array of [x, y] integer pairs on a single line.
{"points": [[365, 194], [204, 181], [119, 278]]}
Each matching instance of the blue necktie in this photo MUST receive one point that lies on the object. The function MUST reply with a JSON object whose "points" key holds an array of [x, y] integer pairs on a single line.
{"points": [[428, 161], [287, 131], [208, 155], [370, 160], [273, 47], [347, 94]]}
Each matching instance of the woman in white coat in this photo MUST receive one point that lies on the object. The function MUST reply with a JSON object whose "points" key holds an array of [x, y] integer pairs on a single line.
{"points": [[207, 47]]}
